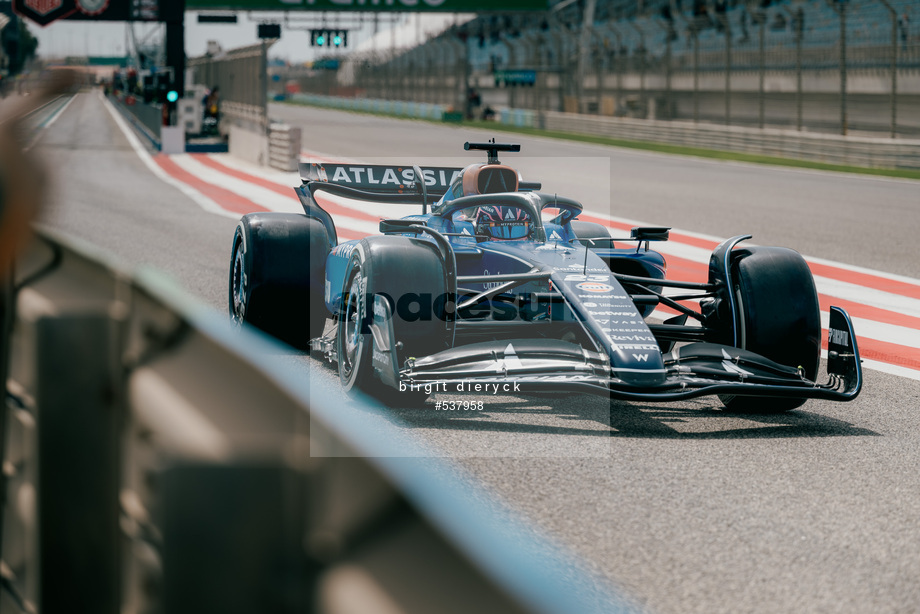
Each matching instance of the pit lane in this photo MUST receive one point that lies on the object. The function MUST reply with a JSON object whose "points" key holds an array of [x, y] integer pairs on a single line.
{"points": [[687, 508]]}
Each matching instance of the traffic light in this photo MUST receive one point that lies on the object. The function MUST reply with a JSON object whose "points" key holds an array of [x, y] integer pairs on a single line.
{"points": [[329, 38]]}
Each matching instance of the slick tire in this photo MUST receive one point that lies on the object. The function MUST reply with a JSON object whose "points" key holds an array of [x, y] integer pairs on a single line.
{"points": [[396, 268], [781, 318], [277, 270], [591, 230]]}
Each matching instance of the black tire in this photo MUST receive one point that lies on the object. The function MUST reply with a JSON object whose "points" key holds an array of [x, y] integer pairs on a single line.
{"points": [[781, 317], [277, 271], [394, 267], [592, 230]]}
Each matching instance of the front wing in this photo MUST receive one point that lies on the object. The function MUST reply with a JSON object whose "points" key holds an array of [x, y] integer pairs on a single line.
{"points": [[691, 371]]}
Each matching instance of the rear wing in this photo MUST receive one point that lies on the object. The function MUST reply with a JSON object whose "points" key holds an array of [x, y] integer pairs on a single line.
{"points": [[381, 179]]}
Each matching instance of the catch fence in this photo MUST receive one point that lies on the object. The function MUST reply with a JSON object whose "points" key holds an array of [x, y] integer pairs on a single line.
{"points": [[843, 68]]}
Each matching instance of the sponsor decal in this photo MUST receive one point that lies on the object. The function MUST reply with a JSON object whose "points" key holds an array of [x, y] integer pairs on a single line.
{"points": [[380, 357], [555, 236], [838, 337], [641, 357], [631, 338], [579, 277], [592, 305], [594, 286], [43, 7], [615, 313], [92, 7], [489, 285], [344, 250], [580, 267], [379, 175], [327, 293]]}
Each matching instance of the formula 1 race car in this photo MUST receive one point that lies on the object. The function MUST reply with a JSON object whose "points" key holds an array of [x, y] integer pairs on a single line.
{"points": [[500, 287]]}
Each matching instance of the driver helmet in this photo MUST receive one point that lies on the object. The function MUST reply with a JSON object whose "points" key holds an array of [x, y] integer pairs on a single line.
{"points": [[503, 223]]}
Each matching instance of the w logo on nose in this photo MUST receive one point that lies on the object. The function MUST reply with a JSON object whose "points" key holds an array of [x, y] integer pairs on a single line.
{"points": [[641, 357]]}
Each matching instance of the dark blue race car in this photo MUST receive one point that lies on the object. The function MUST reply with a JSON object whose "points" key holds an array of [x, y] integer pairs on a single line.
{"points": [[497, 286]]}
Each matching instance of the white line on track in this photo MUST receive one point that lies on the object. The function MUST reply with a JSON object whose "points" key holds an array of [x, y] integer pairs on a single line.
{"points": [[880, 331], [200, 199], [282, 178], [716, 240], [885, 367], [831, 287], [256, 193], [47, 124]]}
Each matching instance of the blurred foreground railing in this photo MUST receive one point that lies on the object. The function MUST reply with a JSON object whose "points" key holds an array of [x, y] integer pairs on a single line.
{"points": [[158, 461]]}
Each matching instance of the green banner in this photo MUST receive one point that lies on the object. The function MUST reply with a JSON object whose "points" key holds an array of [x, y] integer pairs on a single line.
{"points": [[407, 6]]}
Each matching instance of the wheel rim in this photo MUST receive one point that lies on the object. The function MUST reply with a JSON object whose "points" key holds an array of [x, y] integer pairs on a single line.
{"points": [[237, 286], [351, 323]]}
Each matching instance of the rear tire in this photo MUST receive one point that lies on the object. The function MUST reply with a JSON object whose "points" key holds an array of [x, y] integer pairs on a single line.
{"points": [[781, 318], [395, 268], [277, 270]]}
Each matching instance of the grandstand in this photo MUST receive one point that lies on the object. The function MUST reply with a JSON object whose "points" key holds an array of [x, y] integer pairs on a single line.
{"points": [[672, 59]]}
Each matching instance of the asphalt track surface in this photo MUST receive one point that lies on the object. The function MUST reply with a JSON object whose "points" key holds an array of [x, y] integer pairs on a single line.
{"points": [[683, 507]]}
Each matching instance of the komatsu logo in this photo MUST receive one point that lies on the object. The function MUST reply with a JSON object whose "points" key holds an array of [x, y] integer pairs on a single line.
{"points": [[838, 337]]}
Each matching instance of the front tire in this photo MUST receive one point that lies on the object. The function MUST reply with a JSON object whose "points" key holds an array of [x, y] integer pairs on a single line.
{"points": [[395, 268], [781, 318], [277, 270]]}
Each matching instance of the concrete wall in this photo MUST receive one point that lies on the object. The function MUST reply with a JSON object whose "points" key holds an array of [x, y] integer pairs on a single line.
{"points": [[249, 145]]}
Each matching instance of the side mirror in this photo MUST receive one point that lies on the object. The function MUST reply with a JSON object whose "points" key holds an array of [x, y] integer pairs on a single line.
{"points": [[649, 233]]}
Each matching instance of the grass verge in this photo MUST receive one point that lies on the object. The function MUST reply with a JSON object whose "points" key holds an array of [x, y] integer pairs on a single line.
{"points": [[681, 150]]}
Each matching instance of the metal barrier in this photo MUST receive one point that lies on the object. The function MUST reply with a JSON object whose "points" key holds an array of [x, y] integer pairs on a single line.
{"points": [[240, 74], [147, 118], [399, 108], [283, 147], [157, 460], [830, 148]]}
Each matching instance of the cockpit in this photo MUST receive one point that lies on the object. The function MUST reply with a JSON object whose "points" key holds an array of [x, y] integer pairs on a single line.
{"points": [[495, 222]]}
